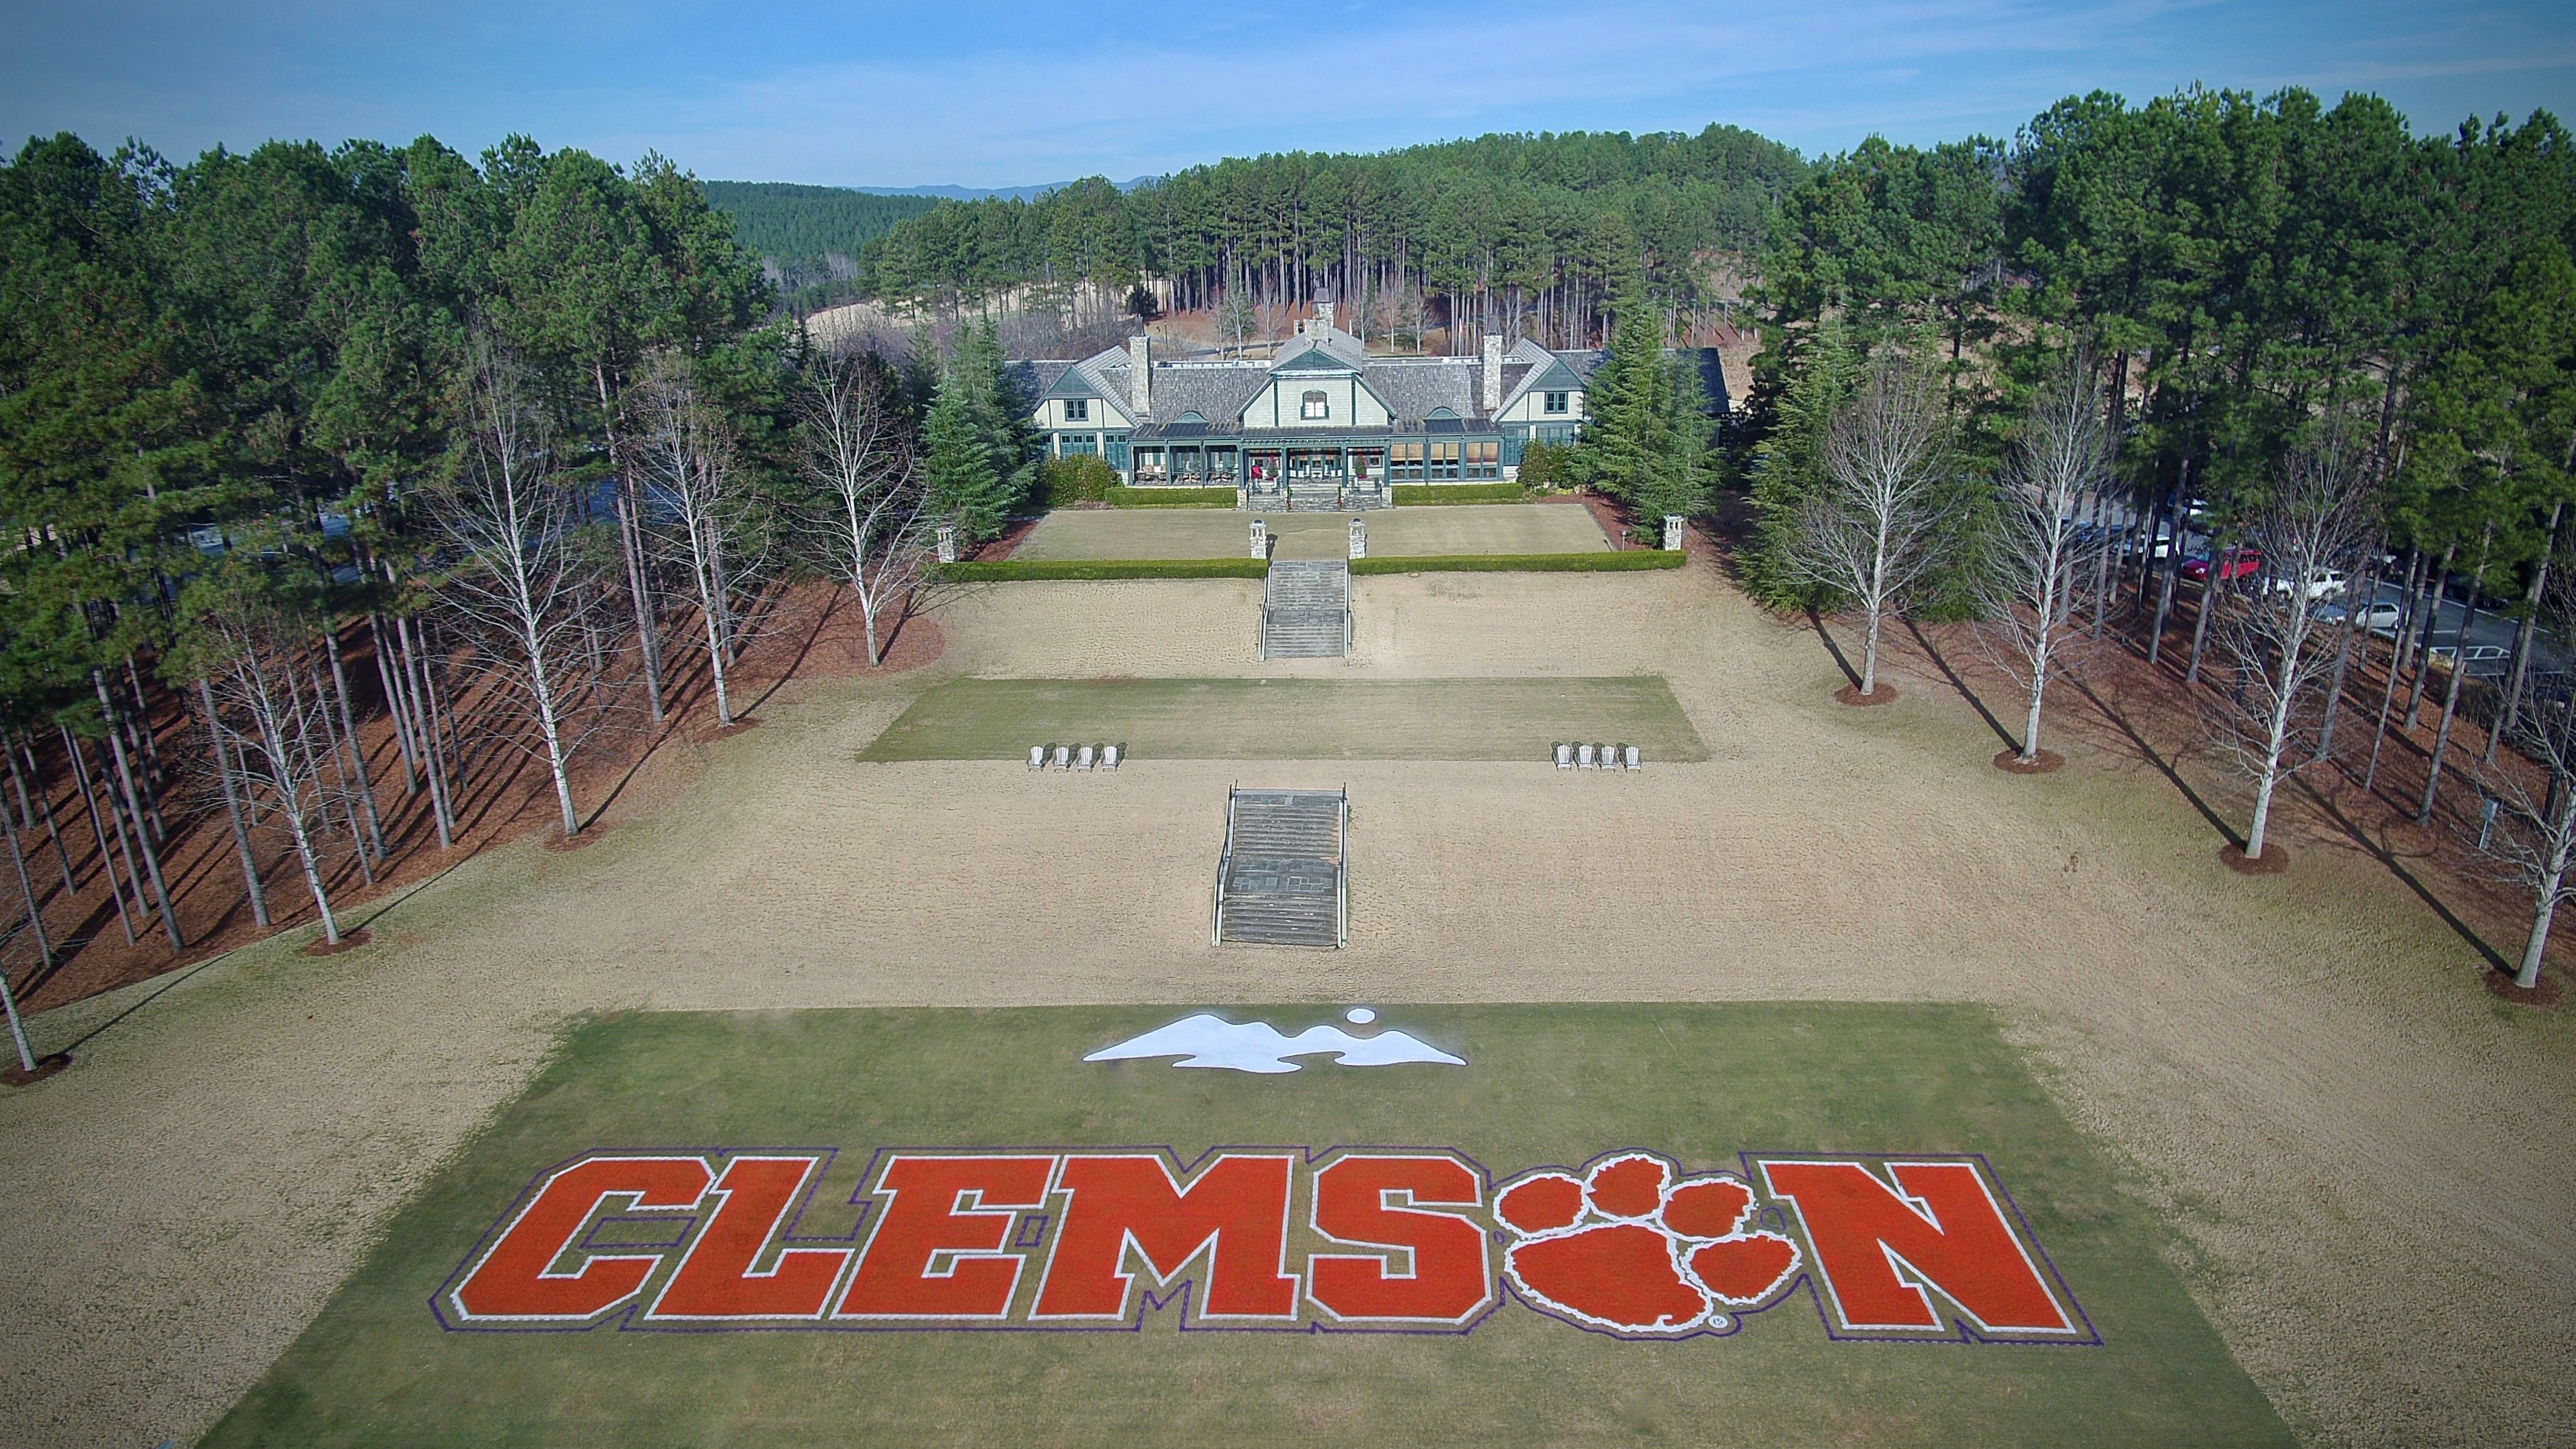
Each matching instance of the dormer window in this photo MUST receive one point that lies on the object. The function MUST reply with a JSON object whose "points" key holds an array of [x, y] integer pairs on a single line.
{"points": [[1315, 407], [1555, 402], [1077, 410]]}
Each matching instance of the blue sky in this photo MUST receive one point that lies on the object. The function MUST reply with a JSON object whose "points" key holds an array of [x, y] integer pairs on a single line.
{"points": [[982, 94]]}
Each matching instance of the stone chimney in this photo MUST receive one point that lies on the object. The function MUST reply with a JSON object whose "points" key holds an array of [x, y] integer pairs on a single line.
{"points": [[1493, 375], [1324, 313], [1140, 377]]}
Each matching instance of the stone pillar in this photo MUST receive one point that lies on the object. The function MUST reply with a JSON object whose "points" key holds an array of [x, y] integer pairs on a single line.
{"points": [[947, 544], [1673, 526], [1140, 378], [1260, 539], [1359, 538], [1493, 376]]}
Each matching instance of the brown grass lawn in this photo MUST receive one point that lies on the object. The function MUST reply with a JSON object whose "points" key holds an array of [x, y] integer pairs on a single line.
{"points": [[1218, 533], [2365, 1157]]}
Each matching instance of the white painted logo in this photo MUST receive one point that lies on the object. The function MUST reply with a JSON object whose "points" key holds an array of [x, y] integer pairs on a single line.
{"points": [[1207, 1040]]}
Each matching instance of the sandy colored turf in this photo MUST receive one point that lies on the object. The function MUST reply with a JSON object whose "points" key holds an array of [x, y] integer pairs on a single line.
{"points": [[1222, 533], [1292, 719], [2367, 1157]]}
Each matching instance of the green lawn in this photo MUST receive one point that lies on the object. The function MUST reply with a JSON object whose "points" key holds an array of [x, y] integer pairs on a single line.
{"points": [[1291, 719], [1543, 1085]]}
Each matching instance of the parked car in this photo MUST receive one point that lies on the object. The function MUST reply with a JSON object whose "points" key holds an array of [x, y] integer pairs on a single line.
{"points": [[2322, 584], [2233, 564], [2379, 616], [2483, 660], [2159, 548]]}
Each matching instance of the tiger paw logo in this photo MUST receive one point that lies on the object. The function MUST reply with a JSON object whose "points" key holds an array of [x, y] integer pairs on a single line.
{"points": [[1628, 1249]]}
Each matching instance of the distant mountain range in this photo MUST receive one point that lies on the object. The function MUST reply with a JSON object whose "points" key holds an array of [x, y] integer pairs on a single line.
{"points": [[987, 193]]}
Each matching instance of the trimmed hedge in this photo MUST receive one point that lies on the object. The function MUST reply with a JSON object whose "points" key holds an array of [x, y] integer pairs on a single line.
{"points": [[1026, 570], [1426, 493], [1080, 478], [1605, 562], [1126, 497]]}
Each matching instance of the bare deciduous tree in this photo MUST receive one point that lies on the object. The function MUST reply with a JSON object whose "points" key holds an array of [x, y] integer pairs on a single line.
{"points": [[709, 516], [2042, 561], [2538, 840], [272, 734], [515, 575], [876, 509], [2279, 651], [1866, 533], [1235, 320]]}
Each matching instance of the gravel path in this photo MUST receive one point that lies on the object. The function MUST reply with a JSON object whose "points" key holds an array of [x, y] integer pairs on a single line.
{"points": [[2367, 1159]]}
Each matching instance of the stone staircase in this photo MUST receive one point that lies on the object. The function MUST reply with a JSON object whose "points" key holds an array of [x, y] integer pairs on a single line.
{"points": [[1279, 882], [1306, 610]]}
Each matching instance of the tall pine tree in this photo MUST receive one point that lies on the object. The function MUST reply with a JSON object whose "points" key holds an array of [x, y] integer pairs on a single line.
{"points": [[1627, 428], [965, 486], [999, 414], [1807, 380], [1681, 476]]}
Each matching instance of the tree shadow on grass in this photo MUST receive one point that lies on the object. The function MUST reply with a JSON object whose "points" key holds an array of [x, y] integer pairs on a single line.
{"points": [[1818, 622], [2148, 752], [1961, 685], [822, 617], [2379, 849]]}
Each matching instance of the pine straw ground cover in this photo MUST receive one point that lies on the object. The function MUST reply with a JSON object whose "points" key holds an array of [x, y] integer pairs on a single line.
{"points": [[1544, 1085], [1292, 718]]}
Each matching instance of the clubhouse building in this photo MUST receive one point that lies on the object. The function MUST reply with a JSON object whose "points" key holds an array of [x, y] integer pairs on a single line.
{"points": [[1323, 424]]}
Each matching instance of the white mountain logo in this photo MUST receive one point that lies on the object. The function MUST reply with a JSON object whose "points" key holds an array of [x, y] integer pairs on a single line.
{"points": [[1208, 1040]]}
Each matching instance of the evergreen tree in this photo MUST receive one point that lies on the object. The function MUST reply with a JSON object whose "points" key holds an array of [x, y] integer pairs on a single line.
{"points": [[1684, 473], [999, 414], [1627, 429], [965, 486], [1805, 380]]}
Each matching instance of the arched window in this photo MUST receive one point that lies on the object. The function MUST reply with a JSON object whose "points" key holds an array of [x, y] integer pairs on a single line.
{"points": [[1316, 407]]}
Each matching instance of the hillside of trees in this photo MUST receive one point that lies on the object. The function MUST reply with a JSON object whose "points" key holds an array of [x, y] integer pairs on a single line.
{"points": [[2236, 272], [1528, 234], [2323, 355], [356, 489], [364, 498], [810, 237]]}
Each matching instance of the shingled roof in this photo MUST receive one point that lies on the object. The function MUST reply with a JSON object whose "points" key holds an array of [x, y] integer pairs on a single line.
{"points": [[1413, 388], [1416, 387]]}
